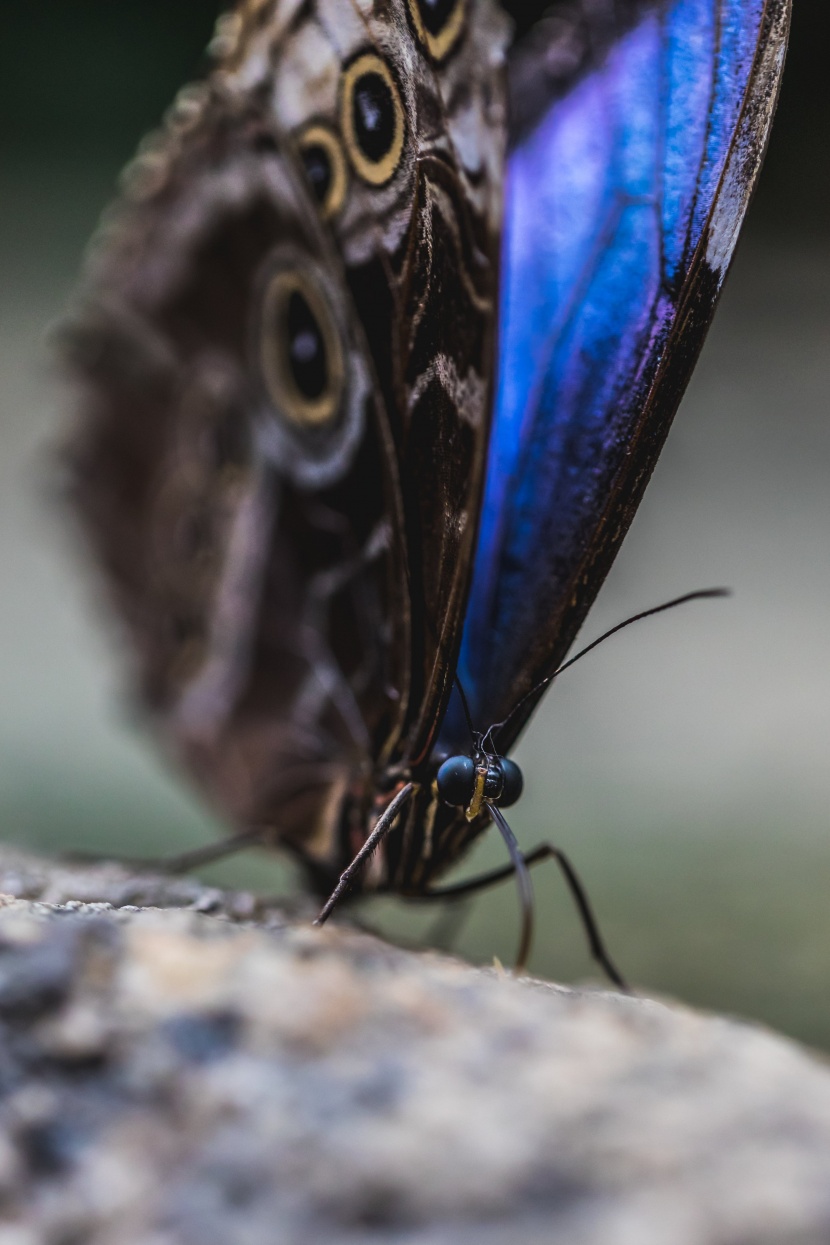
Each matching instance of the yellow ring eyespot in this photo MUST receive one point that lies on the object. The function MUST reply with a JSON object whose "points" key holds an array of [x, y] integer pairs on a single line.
{"points": [[438, 24], [321, 154], [300, 350], [372, 118]]}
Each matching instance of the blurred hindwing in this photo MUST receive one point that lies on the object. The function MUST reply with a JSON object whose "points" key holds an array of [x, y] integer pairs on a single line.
{"points": [[279, 451]]}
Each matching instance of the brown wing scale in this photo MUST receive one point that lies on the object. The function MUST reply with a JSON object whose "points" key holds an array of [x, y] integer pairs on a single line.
{"points": [[290, 549]]}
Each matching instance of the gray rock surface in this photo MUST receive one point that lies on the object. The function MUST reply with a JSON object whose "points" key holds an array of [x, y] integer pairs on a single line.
{"points": [[184, 1067]]}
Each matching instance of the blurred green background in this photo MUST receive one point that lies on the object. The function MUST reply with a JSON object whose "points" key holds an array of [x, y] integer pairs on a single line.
{"points": [[685, 766]]}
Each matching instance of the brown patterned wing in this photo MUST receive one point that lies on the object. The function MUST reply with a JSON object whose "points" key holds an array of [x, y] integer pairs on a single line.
{"points": [[401, 130], [284, 362], [233, 467]]}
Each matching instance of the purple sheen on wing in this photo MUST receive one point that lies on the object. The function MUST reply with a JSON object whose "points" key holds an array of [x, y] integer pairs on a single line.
{"points": [[562, 473], [605, 203], [534, 311], [689, 72], [734, 56], [635, 111], [564, 192]]}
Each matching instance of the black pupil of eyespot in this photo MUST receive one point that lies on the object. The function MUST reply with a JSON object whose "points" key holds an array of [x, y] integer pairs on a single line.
{"points": [[436, 13], [306, 349], [318, 170], [373, 111]]}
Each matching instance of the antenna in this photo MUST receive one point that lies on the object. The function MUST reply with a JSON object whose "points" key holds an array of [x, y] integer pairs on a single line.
{"points": [[474, 734], [703, 594]]}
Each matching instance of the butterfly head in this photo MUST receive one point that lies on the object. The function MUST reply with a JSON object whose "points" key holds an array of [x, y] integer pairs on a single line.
{"points": [[471, 782]]}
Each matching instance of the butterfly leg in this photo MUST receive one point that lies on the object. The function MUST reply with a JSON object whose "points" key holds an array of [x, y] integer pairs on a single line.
{"points": [[545, 851], [382, 828], [184, 862]]}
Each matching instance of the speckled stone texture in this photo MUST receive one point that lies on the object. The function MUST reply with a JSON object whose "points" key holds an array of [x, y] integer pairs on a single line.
{"points": [[183, 1067]]}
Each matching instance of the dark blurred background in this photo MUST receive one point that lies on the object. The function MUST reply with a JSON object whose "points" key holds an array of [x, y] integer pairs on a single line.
{"points": [[685, 765]]}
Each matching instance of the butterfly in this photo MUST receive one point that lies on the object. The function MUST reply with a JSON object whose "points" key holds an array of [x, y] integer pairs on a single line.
{"points": [[373, 360]]}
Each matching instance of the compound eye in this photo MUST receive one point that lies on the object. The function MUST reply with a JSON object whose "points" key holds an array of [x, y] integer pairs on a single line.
{"points": [[456, 780], [513, 785], [300, 350]]}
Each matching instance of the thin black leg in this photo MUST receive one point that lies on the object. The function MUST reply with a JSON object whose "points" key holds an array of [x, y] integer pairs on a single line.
{"points": [[382, 828], [294, 782], [483, 881], [184, 862], [545, 851]]}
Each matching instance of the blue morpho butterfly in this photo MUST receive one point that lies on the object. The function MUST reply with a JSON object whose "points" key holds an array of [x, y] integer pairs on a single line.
{"points": [[374, 358]]}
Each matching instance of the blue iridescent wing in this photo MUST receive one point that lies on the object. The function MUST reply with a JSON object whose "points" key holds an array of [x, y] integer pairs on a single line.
{"points": [[638, 131]]}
